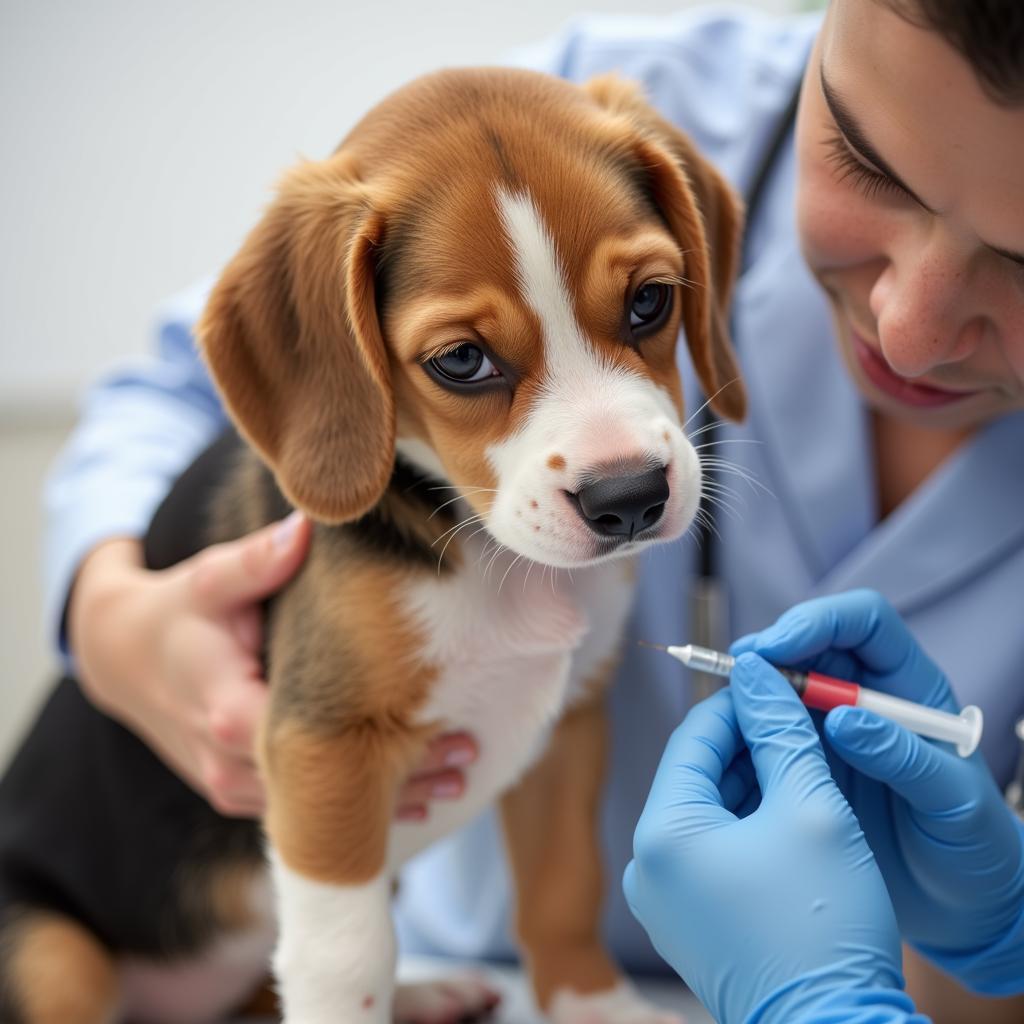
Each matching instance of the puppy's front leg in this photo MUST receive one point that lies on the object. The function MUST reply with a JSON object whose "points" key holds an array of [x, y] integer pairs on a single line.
{"points": [[550, 822], [331, 796], [551, 830]]}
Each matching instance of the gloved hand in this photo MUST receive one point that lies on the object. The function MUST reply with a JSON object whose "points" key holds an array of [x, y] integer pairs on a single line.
{"points": [[769, 912], [951, 852]]}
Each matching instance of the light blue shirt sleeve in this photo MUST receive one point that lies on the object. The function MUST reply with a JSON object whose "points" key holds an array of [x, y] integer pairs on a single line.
{"points": [[140, 426]]}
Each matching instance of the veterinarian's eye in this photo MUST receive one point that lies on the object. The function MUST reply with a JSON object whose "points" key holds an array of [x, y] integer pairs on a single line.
{"points": [[650, 306], [464, 365]]}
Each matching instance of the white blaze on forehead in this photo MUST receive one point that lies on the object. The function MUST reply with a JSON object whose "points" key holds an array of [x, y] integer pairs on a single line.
{"points": [[584, 390], [591, 410], [542, 281]]}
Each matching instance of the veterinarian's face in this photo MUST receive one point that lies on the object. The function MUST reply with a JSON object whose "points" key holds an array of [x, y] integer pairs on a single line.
{"points": [[911, 213]]}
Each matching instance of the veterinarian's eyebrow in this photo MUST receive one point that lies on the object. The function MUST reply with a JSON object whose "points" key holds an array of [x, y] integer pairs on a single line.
{"points": [[858, 141], [854, 135]]}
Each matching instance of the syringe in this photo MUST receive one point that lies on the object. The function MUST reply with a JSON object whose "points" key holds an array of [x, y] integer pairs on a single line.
{"points": [[825, 692]]}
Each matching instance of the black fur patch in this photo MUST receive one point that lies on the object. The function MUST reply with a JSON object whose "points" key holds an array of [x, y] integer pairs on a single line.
{"points": [[378, 533]]}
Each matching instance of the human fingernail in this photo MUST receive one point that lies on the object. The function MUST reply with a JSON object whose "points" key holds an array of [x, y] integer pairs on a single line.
{"points": [[459, 756], [851, 725], [838, 719], [285, 530]]}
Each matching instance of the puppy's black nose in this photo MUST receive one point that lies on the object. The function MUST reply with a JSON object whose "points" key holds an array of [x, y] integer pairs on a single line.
{"points": [[622, 506]]}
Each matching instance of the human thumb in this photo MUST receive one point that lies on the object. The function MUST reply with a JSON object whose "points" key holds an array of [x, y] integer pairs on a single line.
{"points": [[249, 569], [783, 742]]}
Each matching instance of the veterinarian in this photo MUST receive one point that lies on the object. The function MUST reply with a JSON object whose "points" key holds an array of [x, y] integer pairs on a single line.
{"points": [[752, 874], [879, 320]]}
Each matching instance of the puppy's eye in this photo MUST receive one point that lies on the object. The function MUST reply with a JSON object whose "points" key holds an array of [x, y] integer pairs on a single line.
{"points": [[649, 307], [464, 365]]}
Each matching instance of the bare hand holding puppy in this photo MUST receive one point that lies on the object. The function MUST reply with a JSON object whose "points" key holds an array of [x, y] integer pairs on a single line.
{"points": [[175, 656]]}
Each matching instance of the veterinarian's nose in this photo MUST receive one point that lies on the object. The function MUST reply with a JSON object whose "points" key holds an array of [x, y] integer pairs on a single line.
{"points": [[621, 506]]}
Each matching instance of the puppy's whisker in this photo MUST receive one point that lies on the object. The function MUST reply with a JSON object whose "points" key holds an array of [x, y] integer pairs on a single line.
{"points": [[454, 532], [476, 533], [721, 465], [705, 521], [475, 518], [511, 566], [529, 569], [713, 483], [709, 400], [721, 490], [460, 487], [459, 497], [489, 547], [702, 430], [724, 440], [500, 548], [729, 509], [713, 478], [752, 482]]}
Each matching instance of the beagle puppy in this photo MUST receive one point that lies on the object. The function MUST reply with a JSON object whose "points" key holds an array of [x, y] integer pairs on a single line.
{"points": [[453, 345]]}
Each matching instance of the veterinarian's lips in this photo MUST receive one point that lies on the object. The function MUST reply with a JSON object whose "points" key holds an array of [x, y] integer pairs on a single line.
{"points": [[909, 392]]}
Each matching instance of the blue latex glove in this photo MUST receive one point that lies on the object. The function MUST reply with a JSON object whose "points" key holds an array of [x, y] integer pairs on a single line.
{"points": [[770, 911], [951, 852]]}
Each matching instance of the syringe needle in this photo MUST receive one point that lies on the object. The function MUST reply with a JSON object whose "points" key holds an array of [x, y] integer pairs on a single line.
{"points": [[826, 692]]}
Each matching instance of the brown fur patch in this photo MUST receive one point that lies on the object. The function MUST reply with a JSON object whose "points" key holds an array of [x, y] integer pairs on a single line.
{"points": [[231, 888], [59, 973], [330, 799], [345, 687], [292, 339], [344, 651], [706, 219], [460, 427], [556, 462], [262, 1003]]}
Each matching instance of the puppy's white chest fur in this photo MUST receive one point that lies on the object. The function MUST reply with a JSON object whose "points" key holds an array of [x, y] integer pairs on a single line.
{"points": [[514, 643]]}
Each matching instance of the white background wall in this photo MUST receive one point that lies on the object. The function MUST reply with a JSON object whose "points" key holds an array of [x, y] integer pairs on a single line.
{"points": [[138, 141]]}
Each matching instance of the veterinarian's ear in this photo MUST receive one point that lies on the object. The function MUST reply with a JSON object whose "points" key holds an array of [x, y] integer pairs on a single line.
{"points": [[705, 216], [293, 342]]}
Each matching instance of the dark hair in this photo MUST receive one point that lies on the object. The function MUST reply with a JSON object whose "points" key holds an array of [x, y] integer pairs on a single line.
{"points": [[989, 34]]}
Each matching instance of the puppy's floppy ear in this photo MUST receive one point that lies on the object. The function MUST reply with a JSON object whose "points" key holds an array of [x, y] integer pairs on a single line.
{"points": [[292, 338], [705, 216]]}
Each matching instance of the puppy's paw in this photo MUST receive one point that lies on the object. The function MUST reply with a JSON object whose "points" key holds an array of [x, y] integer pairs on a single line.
{"points": [[619, 1005], [448, 1001]]}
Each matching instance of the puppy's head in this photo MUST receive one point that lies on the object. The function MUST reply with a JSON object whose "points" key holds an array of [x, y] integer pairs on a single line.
{"points": [[489, 276]]}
